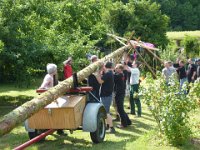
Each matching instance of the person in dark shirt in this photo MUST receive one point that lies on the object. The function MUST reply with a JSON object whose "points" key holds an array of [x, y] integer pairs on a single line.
{"points": [[198, 69], [176, 65], [107, 84], [182, 74], [191, 72], [92, 81], [119, 89]]}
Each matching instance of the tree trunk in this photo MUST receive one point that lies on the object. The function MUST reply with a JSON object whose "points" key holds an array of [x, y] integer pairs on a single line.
{"points": [[20, 114]]}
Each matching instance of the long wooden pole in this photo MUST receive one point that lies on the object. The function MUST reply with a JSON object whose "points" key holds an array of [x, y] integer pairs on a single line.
{"points": [[138, 43], [20, 114]]}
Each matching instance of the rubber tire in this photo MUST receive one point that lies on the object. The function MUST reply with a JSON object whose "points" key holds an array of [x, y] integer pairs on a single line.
{"points": [[99, 135], [32, 135], [36, 133]]}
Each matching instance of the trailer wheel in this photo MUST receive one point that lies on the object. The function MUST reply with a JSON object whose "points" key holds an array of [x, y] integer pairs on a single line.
{"points": [[99, 134], [34, 134]]}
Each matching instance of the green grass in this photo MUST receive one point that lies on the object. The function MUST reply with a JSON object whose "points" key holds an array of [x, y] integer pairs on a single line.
{"points": [[181, 34], [141, 135], [14, 90]]}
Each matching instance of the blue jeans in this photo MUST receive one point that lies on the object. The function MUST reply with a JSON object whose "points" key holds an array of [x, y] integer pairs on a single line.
{"points": [[182, 81], [107, 102]]}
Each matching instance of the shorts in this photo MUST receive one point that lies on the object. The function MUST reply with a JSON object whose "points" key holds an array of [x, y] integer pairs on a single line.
{"points": [[107, 102]]}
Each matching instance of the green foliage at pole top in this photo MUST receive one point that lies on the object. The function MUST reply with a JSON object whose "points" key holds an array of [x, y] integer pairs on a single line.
{"points": [[35, 33], [170, 108]]}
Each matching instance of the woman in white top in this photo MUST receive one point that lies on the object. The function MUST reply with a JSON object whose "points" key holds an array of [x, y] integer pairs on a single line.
{"points": [[48, 81]]}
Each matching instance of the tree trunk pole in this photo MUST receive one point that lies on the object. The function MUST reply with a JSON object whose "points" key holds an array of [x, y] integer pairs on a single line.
{"points": [[25, 111]]}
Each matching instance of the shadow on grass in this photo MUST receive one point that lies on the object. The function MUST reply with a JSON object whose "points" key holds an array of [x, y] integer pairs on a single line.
{"points": [[147, 114], [69, 142], [15, 138], [140, 124], [148, 118]]}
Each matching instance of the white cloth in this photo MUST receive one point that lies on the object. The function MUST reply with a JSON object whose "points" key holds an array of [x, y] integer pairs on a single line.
{"points": [[47, 82], [135, 76]]}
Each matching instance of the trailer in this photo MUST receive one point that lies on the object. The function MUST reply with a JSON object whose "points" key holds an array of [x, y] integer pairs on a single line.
{"points": [[72, 111]]}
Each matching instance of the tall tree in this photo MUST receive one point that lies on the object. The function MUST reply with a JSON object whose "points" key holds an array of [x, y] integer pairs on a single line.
{"points": [[184, 14]]}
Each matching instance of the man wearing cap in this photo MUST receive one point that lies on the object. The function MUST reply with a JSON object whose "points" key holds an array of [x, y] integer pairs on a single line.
{"points": [[68, 68], [92, 81]]}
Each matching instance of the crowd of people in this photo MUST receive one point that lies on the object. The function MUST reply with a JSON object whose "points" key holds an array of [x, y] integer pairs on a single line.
{"points": [[110, 84], [186, 72], [109, 87]]}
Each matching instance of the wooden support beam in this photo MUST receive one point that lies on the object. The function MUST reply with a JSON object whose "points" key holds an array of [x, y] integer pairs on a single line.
{"points": [[149, 67], [117, 38], [155, 56]]}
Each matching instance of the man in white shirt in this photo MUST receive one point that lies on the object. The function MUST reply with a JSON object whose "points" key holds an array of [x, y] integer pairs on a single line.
{"points": [[134, 87]]}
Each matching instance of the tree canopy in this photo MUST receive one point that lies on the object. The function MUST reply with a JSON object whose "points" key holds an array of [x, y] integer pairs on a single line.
{"points": [[34, 33], [184, 14]]}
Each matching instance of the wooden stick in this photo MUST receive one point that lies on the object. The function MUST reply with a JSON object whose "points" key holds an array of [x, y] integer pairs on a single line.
{"points": [[152, 72], [117, 38], [138, 43], [155, 56], [121, 38], [120, 42]]}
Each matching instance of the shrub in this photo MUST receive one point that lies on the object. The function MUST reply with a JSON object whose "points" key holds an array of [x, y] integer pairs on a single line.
{"points": [[169, 108], [191, 46]]}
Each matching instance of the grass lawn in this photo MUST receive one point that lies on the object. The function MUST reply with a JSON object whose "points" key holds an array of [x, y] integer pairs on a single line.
{"points": [[9, 89], [141, 135], [179, 35]]}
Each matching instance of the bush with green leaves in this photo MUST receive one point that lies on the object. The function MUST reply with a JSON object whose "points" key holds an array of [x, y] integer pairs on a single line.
{"points": [[191, 46], [169, 107], [34, 33]]}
